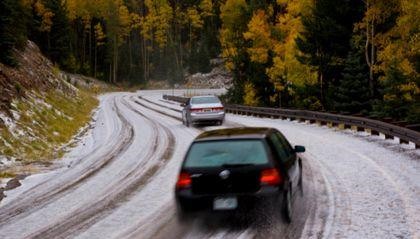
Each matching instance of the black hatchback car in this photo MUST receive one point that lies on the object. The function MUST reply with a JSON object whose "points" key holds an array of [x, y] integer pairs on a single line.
{"points": [[228, 169]]}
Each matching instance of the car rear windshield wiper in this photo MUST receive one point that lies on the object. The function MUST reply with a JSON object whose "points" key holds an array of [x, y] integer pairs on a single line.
{"points": [[227, 165]]}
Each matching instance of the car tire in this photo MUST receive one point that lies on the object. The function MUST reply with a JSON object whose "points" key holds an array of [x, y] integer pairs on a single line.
{"points": [[287, 205], [182, 212], [300, 178]]}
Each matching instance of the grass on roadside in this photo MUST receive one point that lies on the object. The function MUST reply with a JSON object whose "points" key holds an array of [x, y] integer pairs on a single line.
{"points": [[46, 122]]}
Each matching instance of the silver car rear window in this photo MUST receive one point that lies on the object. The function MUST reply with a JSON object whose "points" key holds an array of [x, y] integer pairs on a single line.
{"points": [[205, 100], [219, 153]]}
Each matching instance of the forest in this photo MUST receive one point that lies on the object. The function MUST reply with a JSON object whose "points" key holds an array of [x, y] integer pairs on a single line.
{"points": [[347, 56]]}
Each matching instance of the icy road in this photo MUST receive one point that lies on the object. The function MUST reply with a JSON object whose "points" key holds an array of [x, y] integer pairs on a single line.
{"points": [[118, 182]]}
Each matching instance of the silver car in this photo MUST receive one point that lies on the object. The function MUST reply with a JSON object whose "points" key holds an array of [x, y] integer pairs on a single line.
{"points": [[203, 109]]}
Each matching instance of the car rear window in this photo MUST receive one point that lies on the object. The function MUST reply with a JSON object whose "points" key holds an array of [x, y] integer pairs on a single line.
{"points": [[205, 100], [226, 152]]}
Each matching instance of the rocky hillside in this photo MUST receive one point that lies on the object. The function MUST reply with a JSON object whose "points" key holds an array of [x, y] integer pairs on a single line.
{"points": [[217, 78], [41, 109]]}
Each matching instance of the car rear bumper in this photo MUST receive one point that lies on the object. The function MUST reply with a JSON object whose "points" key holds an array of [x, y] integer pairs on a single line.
{"points": [[245, 200], [202, 117]]}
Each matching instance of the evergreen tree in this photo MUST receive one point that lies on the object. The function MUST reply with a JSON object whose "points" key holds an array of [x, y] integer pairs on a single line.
{"points": [[352, 94], [50, 30], [325, 40], [400, 101], [58, 39], [12, 29]]}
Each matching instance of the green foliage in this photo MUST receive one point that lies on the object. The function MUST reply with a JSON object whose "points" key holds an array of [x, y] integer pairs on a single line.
{"points": [[12, 29], [325, 39], [400, 98], [352, 93]]}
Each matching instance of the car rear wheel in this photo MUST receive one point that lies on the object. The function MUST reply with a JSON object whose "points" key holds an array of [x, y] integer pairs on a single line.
{"points": [[300, 178], [287, 205], [182, 212]]}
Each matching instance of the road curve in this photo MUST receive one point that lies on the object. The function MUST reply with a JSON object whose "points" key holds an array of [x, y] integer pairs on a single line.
{"points": [[118, 182]]}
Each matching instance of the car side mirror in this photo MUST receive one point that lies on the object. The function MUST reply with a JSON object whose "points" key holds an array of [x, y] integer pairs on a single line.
{"points": [[299, 149]]}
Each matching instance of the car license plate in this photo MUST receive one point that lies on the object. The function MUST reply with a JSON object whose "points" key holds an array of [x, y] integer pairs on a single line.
{"points": [[207, 110], [225, 203]]}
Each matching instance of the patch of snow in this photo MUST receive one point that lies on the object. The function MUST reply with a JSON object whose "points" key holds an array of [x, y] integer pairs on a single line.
{"points": [[40, 102], [6, 161]]}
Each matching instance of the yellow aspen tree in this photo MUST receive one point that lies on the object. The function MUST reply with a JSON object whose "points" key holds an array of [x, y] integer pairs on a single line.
{"points": [[46, 16], [285, 63], [232, 14], [206, 7], [250, 95], [377, 12], [259, 34]]}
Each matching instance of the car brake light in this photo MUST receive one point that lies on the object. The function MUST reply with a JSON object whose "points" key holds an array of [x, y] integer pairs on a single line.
{"points": [[196, 109], [270, 177], [184, 180], [217, 108]]}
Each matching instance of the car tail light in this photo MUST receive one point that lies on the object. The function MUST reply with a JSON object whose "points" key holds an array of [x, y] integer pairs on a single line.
{"points": [[197, 110], [218, 109], [184, 180], [270, 177]]}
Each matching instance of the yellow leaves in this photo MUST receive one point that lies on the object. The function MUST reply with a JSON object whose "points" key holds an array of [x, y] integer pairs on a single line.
{"points": [[194, 18], [206, 7], [135, 21], [46, 16], [156, 24], [233, 19], [232, 12], [285, 64], [124, 21], [259, 33], [401, 44], [99, 35], [250, 95]]}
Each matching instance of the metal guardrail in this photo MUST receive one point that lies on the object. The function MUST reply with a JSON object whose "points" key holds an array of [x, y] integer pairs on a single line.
{"points": [[374, 126]]}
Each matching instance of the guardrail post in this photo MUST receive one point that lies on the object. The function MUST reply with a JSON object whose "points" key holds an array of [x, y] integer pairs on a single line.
{"points": [[403, 141], [387, 136], [357, 128], [341, 126], [320, 122]]}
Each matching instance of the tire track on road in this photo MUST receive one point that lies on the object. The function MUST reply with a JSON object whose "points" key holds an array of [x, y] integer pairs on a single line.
{"points": [[21, 208], [136, 179]]}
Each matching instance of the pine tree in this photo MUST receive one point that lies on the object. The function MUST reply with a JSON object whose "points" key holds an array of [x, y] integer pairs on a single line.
{"points": [[353, 94], [325, 40], [12, 29], [58, 38], [400, 99]]}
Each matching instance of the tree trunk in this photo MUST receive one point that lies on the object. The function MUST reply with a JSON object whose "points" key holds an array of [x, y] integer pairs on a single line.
{"points": [[370, 51], [95, 60], [115, 59]]}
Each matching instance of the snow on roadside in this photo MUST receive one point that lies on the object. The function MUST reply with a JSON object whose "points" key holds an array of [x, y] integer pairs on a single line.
{"points": [[376, 190]]}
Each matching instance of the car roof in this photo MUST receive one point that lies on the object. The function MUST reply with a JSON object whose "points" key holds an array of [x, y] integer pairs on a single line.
{"points": [[235, 133], [204, 96]]}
